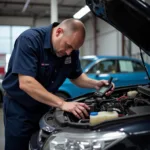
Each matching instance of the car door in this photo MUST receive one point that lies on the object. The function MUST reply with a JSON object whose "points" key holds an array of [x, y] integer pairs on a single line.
{"points": [[124, 72], [131, 73]]}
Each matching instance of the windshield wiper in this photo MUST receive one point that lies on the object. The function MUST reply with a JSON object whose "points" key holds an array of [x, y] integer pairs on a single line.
{"points": [[144, 64]]}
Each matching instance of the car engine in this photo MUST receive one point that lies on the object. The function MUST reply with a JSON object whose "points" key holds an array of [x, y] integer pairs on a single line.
{"points": [[129, 103], [126, 101]]}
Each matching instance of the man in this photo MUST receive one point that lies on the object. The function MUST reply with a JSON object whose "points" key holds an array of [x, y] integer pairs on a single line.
{"points": [[40, 62]]}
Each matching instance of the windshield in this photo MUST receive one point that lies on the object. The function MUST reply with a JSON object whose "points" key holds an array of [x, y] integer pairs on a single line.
{"points": [[85, 62]]}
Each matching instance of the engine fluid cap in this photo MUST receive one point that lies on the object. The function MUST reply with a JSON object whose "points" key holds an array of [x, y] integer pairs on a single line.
{"points": [[93, 113]]}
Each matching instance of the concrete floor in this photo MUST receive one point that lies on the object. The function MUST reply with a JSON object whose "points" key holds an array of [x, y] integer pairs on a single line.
{"points": [[1, 129]]}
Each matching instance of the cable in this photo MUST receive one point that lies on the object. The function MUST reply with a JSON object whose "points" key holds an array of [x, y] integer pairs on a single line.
{"points": [[144, 64]]}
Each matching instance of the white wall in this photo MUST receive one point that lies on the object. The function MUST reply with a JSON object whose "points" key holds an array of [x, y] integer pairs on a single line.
{"points": [[24, 21], [135, 49], [42, 22], [108, 39], [87, 48]]}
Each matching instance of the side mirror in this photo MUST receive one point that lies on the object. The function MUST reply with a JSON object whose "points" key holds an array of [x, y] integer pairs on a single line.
{"points": [[98, 72]]}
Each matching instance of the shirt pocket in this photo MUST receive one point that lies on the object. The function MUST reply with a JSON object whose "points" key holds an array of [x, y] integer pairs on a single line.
{"points": [[45, 74]]}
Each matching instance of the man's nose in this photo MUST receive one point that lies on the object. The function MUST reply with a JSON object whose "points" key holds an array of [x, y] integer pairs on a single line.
{"points": [[68, 51]]}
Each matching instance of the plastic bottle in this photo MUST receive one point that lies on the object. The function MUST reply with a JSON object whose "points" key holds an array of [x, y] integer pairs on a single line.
{"points": [[93, 118], [98, 117], [132, 93]]}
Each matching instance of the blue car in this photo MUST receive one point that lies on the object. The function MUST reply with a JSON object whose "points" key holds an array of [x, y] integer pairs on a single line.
{"points": [[125, 71]]}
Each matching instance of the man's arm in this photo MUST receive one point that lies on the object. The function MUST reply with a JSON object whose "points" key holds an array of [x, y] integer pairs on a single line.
{"points": [[85, 82], [33, 88]]}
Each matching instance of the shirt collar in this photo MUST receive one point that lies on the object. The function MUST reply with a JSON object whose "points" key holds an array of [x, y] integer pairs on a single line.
{"points": [[48, 39]]}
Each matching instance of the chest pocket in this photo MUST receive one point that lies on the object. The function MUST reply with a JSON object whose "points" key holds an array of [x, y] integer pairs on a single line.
{"points": [[45, 73]]}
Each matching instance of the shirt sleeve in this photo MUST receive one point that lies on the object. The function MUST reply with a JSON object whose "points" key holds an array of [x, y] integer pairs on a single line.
{"points": [[25, 57], [76, 66]]}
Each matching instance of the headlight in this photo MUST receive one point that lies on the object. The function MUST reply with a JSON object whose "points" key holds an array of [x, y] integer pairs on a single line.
{"points": [[83, 141]]}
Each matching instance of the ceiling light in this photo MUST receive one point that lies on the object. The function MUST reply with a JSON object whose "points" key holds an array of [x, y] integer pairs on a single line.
{"points": [[26, 5], [83, 11]]}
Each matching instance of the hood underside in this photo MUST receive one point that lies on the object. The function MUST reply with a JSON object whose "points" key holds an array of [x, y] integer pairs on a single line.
{"points": [[130, 17]]}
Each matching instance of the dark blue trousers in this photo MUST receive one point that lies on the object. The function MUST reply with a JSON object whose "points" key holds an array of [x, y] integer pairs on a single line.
{"points": [[19, 124]]}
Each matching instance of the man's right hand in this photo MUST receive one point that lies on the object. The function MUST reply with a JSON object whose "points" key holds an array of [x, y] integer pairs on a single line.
{"points": [[78, 109]]}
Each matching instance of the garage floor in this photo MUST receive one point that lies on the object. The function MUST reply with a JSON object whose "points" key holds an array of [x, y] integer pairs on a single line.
{"points": [[1, 129]]}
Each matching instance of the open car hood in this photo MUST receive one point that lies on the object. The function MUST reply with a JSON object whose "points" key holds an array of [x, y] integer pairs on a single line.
{"points": [[131, 17]]}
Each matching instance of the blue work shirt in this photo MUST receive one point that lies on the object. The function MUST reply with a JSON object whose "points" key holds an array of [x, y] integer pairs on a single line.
{"points": [[33, 55]]}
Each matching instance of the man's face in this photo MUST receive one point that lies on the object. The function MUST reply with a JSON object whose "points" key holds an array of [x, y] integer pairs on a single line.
{"points": [[64, 44]]}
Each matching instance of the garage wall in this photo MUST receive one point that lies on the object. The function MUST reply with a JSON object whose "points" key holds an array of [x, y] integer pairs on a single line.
{"points": [[42, 22], [87, 48], [135, 49], [108, 39], [136, 53], [107, 36], [24, 21], [109, 42]]}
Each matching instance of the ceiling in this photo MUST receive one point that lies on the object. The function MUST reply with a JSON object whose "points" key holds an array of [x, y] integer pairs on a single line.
{"points": [[39, 8]]}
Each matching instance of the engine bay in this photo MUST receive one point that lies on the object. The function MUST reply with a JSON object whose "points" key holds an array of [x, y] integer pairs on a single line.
{"points": [[126, 101], [132, 104]]}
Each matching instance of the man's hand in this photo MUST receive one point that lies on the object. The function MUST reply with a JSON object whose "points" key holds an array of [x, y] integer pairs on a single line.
{"points": [[78, 109], [101, 83]]}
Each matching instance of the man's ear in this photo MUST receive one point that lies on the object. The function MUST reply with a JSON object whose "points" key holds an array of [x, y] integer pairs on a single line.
{"points": [[59, 31]]}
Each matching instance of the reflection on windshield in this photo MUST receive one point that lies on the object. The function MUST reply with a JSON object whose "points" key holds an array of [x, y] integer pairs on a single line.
{"points": [[85, 62]]}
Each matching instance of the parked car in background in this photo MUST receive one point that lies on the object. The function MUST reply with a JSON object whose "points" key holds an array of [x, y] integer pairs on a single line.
{"points": [[125, 71], [1, 91]]}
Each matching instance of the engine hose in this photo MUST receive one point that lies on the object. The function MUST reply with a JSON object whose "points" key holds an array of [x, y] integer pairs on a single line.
{"points": [[136, 100]]}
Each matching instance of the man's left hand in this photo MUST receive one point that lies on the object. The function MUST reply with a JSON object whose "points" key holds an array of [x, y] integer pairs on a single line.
{"points": [[101, 83]]}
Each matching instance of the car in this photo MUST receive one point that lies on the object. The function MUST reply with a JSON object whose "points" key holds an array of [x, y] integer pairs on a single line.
{"points": [[124, 70], [103, 129]]}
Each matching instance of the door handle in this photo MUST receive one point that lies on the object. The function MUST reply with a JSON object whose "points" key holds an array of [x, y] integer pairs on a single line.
{"points": [[115, 79]]}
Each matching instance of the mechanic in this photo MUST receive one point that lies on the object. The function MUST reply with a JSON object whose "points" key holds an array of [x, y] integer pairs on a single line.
{"points": [[40, 62]]}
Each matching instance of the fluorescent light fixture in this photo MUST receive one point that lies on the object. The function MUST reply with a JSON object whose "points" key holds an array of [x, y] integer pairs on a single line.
{"points": [[83, 11], [26, 5]]}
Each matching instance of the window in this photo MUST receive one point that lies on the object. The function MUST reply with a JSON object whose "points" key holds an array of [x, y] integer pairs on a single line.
{"points": [[8, 35], [93, 69], [5, 39], [16, 31], [106, 66], [130, 66], [125, 66], [137, 67], [85, 62]]}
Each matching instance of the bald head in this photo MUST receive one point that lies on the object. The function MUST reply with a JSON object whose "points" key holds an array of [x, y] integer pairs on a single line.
{"points": [[69, 35], [73, 25]]}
